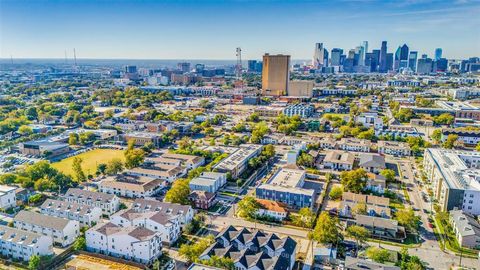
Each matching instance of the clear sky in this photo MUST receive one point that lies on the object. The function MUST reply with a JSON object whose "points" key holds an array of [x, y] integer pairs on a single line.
{"points": [[208, 29]]}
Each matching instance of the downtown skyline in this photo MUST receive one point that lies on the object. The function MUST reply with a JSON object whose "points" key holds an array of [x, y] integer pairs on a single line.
{"points": [[213, 29]]}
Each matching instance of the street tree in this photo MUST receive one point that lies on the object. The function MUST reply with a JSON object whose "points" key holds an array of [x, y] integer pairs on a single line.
{"points": [[79, 175], [359, 233], [327, 229], [354, 180]]}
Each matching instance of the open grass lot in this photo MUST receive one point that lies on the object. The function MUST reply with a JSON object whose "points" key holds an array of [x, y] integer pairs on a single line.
{"points": [[90, 160]]}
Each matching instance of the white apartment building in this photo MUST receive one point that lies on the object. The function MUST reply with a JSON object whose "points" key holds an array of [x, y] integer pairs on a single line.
{"points": [[85, 214], [466, 229], [370, 120], [168, 226], [22, 245], [109, 203], [355, 145], [130, 186], [184, 212], [7, 196], [455, 177], [400, 149], [63, 231], [208, 181], [130, 243]]}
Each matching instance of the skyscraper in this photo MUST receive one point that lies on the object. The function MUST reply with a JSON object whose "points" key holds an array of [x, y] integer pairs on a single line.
{"points": [[365, 51], [360, 51], [424, 65], [335, 57], [383, 57], [389, 61], [320, 56], [275, 74], [251, 65], [401, 57], [412, 61], [184, 67], [438, 53]]}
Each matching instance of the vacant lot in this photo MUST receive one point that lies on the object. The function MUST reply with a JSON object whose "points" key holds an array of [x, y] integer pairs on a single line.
{"points": [[90, 160]]}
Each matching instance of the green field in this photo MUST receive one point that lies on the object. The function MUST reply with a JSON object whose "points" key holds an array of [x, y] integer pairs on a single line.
{"points": [[90, 160]]}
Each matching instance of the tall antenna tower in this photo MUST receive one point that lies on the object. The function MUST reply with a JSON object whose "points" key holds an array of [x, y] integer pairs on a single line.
{"points": [[239, 63], [75, 57]]}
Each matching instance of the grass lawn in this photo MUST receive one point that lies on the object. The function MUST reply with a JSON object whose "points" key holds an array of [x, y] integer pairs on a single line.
{"points": [[451, 242], [90, 160]]}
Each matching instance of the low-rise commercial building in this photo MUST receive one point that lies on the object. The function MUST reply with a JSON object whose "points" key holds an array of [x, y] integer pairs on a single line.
{"points": [[208, 181]]}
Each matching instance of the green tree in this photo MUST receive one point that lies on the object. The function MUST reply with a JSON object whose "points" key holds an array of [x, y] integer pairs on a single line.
{"points": [[450, 141], [379, 255], [478, 147], [179, 192], [359, 233], [304, 218], [25, 130], [134, 158], [77, 170], [8, 178], [193, 251], [248, 207], [73, 138], [388, 174], [80, 243], [444, 119], [259, 130], [360, 209], [268, 151], [305, 160], [336, 193], [408, 219], [437, 135], [327, 229], [101, 168], [34, 262], [114, 166], [354, 180]]}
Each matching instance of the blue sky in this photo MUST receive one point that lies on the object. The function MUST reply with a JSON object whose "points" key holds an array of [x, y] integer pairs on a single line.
{"points": [[209, 29]]}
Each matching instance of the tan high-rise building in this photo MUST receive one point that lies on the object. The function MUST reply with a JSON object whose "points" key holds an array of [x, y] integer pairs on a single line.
{"points": [[275, 74]]}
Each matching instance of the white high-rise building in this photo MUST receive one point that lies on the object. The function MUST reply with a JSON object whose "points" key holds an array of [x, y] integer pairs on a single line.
{"points": [[319, 56]]}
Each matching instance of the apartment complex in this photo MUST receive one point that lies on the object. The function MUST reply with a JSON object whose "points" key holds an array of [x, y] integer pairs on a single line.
{"points": [[85, 214], [109, 203], [21, 245], [237, 162]]}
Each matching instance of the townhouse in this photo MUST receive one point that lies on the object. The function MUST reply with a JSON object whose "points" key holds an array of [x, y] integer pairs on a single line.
{"points": [[379, 227], [167, 225], [466, 229], [400, 149], [130, 243], [184, 212], [374, 205], [272, 209], [61, 230], [86, 215], [130, 186], [208, 181], [21, 245], [339, 160], [109, 203], [237, 162], [355, 145], [253, 250], [8, 196], [373, 163]]}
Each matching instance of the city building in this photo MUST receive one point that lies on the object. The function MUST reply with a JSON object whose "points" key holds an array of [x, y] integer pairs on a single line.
{"points": [[184, 212], [166, 225], [130, 186], [253, 249], [61, 230], [339, 160], [272, 209], [300, 88], [400, 149], [302, 110], [275, 74], [383, 228], [109, 203], [130, 243], [355, 145], [237, 162], [22, 245], [8, 196], [455, 178], [373, 163], [84, 214], [466, 229], [375, 205], [286, 186], [208, 181]]}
